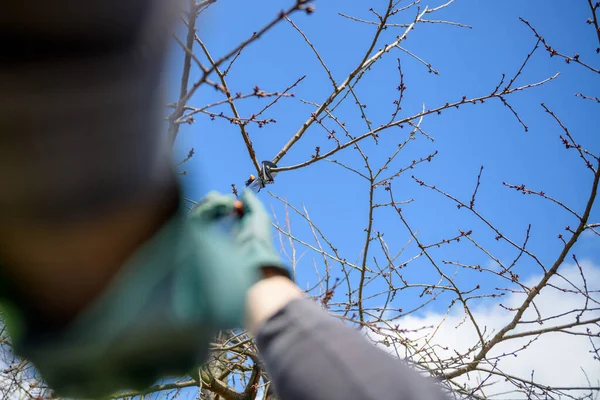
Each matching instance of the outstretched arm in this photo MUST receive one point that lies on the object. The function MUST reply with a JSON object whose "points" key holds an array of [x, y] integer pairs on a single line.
{"points": [[311, 355]]}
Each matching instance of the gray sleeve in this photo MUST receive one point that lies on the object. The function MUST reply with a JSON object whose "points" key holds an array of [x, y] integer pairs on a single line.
{"points": [[311, 355]]}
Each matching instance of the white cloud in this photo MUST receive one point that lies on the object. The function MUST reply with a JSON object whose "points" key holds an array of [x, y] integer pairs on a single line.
{"points": [[557, 359]]}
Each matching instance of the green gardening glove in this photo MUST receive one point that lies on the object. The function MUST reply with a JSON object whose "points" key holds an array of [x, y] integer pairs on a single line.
{"points": [[251, 231]]}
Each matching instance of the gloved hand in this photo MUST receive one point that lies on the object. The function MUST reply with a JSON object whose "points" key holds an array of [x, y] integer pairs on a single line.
{"points": [[251, 232]]}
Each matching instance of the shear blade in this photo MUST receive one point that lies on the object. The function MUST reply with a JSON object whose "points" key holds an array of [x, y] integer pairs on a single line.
{"points": [[266, 177]]}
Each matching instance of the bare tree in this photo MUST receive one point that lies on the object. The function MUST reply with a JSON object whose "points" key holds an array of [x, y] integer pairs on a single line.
{"points": [[368, 293]]}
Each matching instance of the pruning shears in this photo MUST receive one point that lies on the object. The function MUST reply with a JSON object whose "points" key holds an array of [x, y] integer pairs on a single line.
{"points": [[266, 177]]}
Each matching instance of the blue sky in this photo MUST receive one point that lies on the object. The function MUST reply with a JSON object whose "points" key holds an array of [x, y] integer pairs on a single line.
{"points": [[470, 62]]}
